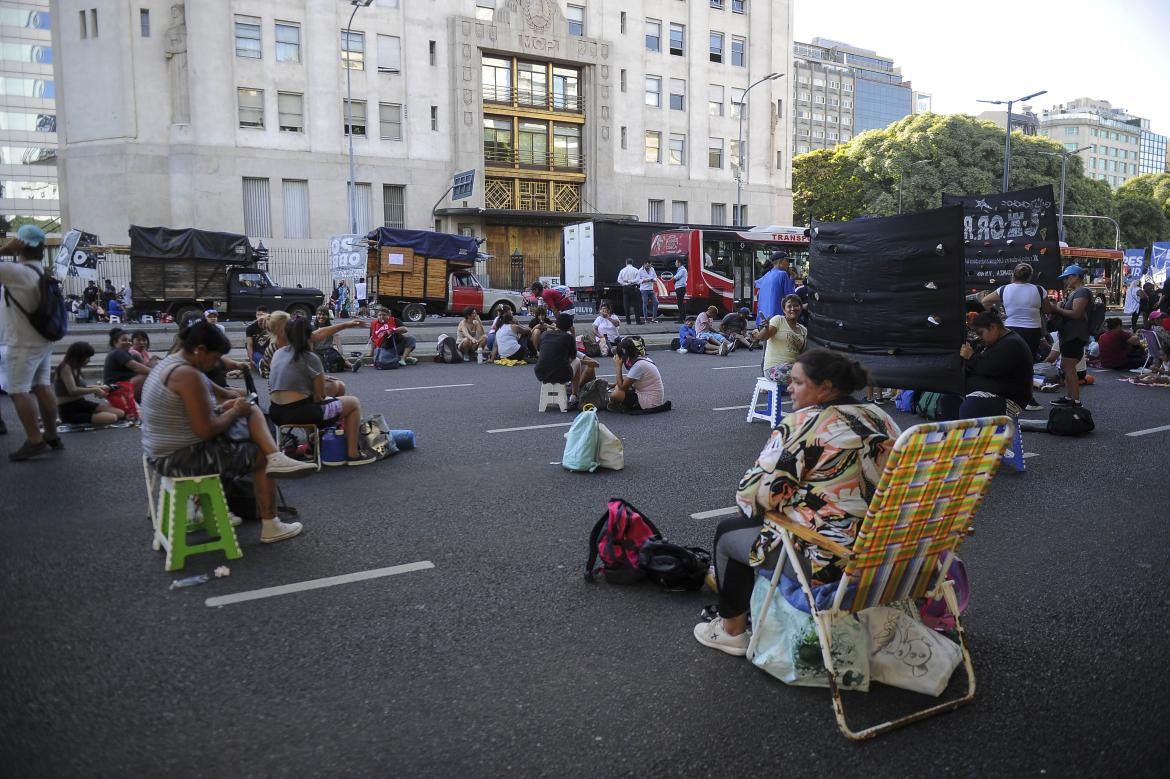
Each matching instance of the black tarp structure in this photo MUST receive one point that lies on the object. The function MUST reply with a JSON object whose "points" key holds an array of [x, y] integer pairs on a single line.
{"points": [[443, 246], [1004, 229], [889, 292], [165, 243]]}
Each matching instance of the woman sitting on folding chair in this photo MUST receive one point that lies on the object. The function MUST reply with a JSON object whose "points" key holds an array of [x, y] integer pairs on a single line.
{"points": [[820, 468]]}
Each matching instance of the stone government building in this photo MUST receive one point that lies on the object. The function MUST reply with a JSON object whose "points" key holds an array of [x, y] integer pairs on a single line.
{"points": [[232, 115]]}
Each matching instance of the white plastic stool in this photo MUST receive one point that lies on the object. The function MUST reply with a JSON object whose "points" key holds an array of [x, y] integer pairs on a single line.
{"points": [[115, 319], [147, 319], [553, 393], [765, 385], [312, 437]]}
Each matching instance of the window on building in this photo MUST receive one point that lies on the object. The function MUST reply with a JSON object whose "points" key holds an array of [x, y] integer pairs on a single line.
{"points": [[678, 149], [780, 109], [718, 213], [1071, 130], [354, 114], [363, 206], [296, 208], [251, 106], [818, 82], [678, 211], [741, 218], [818, 117], [144, 22], [257, 208], [818, 133], [819, 99], [567, 145], [622, 23], [737, 6], [653, 35], [833, 118], [803, 96], [802, 114], [533, 143], [433, 52], [834, 85], [575, 14], [1070, 146], [847, 87], [835, 101], [737, 106], [802, 132], [290, 112], [802, 148], [715, 99], [485, 10], [532, 84], [497, 140], [623, 137], [846, 136], [248, 37], [653, 146], [390, 121], [622, 80], [779, 159], [393, 205], [847, 102], [714, 152], [655, 210], [84, 26], [566, 92], [738, 52], [435, 118], [93, 28], [496, 79], [846, 118], [715, 48], [353, 50], [389, 54], [654, 91], [288, 42], [678, 94], [717, 4], [678, 38]]}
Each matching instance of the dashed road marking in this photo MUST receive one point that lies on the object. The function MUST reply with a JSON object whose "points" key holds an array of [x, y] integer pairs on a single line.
{"points": [[1136, 433], [529, 427], [433, 386], [723, 512], [735, 367], [316, 584]]}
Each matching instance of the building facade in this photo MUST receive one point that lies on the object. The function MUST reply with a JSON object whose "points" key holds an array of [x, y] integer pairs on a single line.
{"points": [[1023, 120], [841, 90], [28, 118], [234, 116], [1112, 135], [1152, 152]]}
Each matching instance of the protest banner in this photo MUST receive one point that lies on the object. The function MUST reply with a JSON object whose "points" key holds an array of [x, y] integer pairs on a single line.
{"points": [[1004, 229], [347, 257]]}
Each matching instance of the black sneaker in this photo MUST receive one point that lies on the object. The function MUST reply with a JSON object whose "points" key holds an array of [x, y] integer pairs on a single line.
{"points": [[28, 450], [55, 444], [731, 348], [1066, 402]]}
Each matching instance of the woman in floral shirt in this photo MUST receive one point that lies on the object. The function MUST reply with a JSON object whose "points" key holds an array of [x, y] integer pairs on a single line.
{"points": [[820, 468]]}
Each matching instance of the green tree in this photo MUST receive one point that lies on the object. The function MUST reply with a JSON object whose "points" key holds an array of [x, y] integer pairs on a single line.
{"points": [[825, 186], [1142, 220], [1151, 185]]}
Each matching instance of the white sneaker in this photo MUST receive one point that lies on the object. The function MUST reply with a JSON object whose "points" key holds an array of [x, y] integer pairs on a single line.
{"points": [[714, 635], [682, 351], [723, 349], [273, 530], [281, 466]]}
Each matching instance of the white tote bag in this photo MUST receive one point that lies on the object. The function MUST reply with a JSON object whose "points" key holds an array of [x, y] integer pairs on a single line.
{"points": [[610, 453], [905, 653]]}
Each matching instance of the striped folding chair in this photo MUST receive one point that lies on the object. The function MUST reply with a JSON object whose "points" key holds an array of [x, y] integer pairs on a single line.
{"points": [[933, 482]]}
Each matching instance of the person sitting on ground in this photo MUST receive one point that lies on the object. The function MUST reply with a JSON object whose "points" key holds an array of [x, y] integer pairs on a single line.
{"points": [[559, 362], [121, 367], [297, 390], [705, 327], [510, 340], [491, 334], [540, 324], [690, 342], [469, 336], [734, 328], [334, 387], [1119, 349], [183, 435], [274, 324], [784, 339], [1160, 324], [140, 349], [387, 325], [256, 337], [73, 406], [326, 341], [554, 300], [637, 383], [606, 329], [820, 468], [999, 378]]}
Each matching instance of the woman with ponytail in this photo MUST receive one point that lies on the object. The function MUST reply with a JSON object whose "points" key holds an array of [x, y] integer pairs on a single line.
{"points": [[820, 468]]}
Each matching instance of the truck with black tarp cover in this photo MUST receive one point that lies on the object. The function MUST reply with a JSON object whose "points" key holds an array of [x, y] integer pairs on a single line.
{"points": [[179, 271]]}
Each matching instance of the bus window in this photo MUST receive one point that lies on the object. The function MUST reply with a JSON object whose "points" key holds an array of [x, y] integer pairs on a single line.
{"points": [[717, 258]]}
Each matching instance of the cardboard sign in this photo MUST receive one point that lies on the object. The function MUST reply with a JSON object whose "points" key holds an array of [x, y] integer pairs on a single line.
{"points": [[347, 257], [396, 259], [1005, 229]]}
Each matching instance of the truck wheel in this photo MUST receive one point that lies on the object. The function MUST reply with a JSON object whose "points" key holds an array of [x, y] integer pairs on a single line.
{"points": [[414, 313], [184, 311], [500, 308], [301, 310]]}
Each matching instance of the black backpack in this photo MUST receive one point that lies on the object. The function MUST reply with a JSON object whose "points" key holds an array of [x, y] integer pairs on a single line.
{"points": [[50, 318], [674, 567], [448, 351], [333, 360], [1070, 420]]}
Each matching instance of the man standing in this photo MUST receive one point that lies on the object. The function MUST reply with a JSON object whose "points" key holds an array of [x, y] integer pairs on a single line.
{"points": [[28, 360], [774, 286], [646, 279], [628, 278], [680, 288]]}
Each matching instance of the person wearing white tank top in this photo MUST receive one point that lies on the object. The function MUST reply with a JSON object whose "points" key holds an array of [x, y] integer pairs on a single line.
{"points": [[1024, 306]]}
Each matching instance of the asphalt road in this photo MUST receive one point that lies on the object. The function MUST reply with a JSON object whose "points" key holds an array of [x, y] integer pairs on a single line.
{"points": [[501, 661]]}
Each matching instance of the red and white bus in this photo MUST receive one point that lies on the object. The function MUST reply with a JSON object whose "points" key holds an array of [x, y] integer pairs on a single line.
{"points": [[723, 265]]}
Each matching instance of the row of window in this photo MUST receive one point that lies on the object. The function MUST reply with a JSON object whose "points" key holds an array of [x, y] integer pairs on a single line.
{"points": [[715, 43], [1109, 135], [28, 121], [526, 84], [835, 102], [656, 211], [1112, 181], [513, 141], [803, 78], [295, 207], [26, 53], [832, 135], [27, 18], [290, 114], [19, 86], [1113, 165], [817, 116], [287, 40], [575, 14]]}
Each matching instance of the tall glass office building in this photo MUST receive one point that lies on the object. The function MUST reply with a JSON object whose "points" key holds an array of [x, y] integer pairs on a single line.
{"points": [[1152, 153]]}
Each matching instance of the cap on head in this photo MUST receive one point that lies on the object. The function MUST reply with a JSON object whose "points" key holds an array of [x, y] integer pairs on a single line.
{"points": [[211, 312], [1072, 270], [31, 236], [776, 256], [745, 311]]}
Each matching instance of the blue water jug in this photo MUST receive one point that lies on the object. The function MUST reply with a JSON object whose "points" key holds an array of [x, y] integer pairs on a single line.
{"points": [[403, 439], [332, 448]]}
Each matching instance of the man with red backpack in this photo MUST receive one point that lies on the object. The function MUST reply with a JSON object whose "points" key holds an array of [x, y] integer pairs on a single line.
{"points": [[28, 361]]}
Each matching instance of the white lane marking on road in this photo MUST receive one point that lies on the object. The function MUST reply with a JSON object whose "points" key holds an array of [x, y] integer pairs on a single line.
{"points": [[715, 513], [741, 408], [1147, 432], [433, 386], [736, 367], [316, 584], [1031, 454], [529, 427]]}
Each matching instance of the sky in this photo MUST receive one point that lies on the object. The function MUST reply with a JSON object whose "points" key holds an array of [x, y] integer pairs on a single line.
{"points": [[960, 52]]}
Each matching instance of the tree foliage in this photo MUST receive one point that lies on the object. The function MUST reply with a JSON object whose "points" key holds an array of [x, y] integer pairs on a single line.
{"points": [[1152, 185], [918, 158], [1142, 221]]}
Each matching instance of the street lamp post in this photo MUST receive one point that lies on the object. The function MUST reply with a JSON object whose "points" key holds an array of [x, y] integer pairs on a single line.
{"points": [[902, 172], [1064, 155], [1007, 141], [739, 174], [1116, 226], [349, 116]]}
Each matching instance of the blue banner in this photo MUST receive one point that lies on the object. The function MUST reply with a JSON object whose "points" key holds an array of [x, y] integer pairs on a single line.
{"points": [[1135, 263], [1160, 261]]}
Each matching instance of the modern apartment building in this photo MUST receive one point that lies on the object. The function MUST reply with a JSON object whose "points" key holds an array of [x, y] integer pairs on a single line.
{"points": [[234, 116], [1152, 155], [28, 118], [1112, 135], [841, 90]]}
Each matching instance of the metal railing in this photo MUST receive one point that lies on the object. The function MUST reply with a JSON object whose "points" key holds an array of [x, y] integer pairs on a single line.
{"points": [[533, 98], [496, 155]]}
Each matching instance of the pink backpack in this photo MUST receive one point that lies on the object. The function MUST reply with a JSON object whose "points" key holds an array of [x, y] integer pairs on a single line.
{"points": [[615, 540]]}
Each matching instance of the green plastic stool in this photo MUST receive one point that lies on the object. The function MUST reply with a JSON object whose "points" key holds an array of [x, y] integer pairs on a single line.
{"points": [[175, 494]]}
